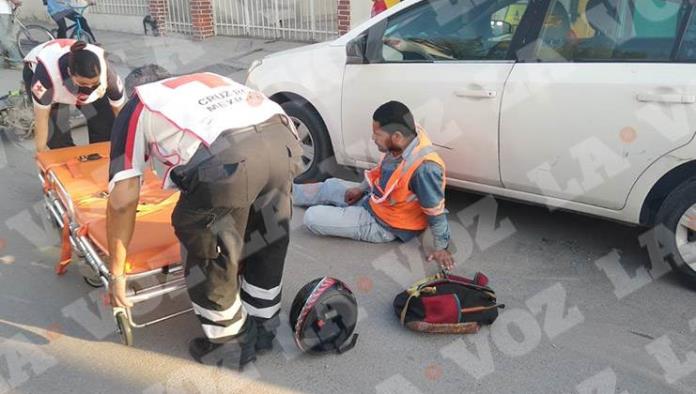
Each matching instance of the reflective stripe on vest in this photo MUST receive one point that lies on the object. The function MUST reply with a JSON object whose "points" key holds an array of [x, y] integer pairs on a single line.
{"points": [[206, 104], [398, 206], [49, 54]]}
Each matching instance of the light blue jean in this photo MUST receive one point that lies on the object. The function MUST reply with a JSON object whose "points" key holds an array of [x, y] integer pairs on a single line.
{"points": [[8, 32], [328, 214]]}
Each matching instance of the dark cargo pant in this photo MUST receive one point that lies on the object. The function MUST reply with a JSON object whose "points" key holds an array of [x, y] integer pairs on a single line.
{"points": [[233, 221]]}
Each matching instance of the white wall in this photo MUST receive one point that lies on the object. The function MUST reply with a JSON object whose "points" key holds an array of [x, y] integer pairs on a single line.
{"points": [[35, 10], [359, 11], [122, 23]]}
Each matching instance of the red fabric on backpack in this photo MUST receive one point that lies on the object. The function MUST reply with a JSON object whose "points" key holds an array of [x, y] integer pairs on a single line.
{"points": [[441, 309]]}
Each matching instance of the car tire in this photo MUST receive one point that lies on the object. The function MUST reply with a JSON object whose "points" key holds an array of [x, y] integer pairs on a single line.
{"points": [[315, 141], [674, 215]]}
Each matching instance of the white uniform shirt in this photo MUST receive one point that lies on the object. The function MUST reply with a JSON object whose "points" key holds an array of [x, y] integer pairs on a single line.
{"points": [[173, 122]]}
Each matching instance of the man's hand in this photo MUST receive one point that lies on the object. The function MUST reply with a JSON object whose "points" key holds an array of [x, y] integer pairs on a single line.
{"points": [[118, 293], [353, 195], [443, 257], [16, 3]]}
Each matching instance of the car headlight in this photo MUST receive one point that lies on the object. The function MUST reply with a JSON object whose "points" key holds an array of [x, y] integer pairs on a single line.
{"points": [[254, 65]]}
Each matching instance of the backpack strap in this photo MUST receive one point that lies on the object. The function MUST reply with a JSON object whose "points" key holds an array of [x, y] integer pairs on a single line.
{"points": [[405, 308], [415, 287], [415, 293]]}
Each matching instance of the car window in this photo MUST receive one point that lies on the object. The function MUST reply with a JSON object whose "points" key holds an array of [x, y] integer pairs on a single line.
{"points": [[687, 50], [447, 30], [610, 30]]}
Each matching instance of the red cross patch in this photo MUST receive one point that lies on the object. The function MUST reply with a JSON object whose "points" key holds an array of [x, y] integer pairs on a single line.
{"points": [[38, 89]]}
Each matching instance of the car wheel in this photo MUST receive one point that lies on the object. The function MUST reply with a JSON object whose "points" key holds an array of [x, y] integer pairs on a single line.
{"points": [[314, 139], [678, 215]]}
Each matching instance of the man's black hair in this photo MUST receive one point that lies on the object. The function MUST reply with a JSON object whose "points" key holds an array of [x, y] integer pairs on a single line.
{"points": [[394, 116], [145, 74]]}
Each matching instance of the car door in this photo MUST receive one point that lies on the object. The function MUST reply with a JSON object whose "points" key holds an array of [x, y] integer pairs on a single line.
{"points": [[597, 99], [448, 62]]}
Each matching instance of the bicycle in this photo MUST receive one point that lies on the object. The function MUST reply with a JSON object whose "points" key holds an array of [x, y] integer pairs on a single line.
{"points": [[75, 30], [16, 114], [29, 36]]}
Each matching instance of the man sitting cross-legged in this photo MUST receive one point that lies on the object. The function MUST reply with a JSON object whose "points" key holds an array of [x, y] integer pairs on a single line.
{"points": [[400, 198]]}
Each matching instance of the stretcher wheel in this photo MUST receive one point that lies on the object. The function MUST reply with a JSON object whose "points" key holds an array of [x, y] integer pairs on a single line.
{"points": [[93, 281], [124, 328]]}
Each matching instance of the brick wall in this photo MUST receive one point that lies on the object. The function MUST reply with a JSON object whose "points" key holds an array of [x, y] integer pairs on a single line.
{"points": [[158, 10], [202, 19], [344, 16]]}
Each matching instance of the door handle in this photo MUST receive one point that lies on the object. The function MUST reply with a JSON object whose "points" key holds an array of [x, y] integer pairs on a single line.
{"points": [[476, 93], [666, 98]]}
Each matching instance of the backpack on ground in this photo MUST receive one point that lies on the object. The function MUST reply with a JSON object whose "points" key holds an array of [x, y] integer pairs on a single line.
{"points": [[447, 304]]}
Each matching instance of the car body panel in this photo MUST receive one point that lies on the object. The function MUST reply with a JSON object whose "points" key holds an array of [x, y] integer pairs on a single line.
{"points": [[586, 131], [446, 100], [321, 87]]}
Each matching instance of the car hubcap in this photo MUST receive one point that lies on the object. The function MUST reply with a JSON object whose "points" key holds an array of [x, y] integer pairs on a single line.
{"points": [[685, 235], [306, 142]]}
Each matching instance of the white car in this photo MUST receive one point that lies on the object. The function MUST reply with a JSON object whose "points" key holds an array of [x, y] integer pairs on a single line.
{"points": [[583, 105]]}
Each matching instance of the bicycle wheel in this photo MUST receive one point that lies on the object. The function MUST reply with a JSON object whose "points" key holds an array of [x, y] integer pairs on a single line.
{"points": [[31, 36], [83, 36]]}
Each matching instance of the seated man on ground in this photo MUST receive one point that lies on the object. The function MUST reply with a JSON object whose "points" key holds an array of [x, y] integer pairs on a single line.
{"points": [[400, 198]]}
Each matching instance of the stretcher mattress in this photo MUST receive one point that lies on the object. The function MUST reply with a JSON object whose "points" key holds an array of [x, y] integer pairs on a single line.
{"points": [[79, 177]]}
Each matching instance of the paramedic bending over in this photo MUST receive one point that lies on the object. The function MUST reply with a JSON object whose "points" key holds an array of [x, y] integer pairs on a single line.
{"points": [[66, 72]]}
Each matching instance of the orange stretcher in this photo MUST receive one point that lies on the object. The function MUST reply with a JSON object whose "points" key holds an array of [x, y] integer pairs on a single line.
{"points": [[75, 184]]}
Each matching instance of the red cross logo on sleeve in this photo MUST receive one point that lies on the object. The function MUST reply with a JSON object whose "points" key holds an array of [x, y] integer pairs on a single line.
{"points": [[209, 80], [38, 89]]}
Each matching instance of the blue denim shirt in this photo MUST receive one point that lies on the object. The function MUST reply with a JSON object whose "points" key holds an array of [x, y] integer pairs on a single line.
{"points": [[57, 6], [426, 183]]}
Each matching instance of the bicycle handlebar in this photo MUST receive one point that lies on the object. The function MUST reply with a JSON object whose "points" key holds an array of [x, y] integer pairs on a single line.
{"points": [[81, 9]]}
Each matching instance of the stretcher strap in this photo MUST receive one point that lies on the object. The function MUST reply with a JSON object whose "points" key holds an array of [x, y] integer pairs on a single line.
{"points": [[66, 249], [73, 166], [82, 231]]}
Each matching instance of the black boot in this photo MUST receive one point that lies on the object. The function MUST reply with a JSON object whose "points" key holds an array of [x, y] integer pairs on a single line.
{"points": [[235, 353], [200, 347], [266, 334]]}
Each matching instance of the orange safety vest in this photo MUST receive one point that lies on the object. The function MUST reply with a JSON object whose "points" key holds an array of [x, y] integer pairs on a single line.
{"points": [[398, 206]]}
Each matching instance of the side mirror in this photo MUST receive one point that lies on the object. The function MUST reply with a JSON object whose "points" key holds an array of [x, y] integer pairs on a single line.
{"points": [[355, 50]]}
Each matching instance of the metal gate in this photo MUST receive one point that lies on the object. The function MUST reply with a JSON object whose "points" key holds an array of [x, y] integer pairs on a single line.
{"points": [[300, 20], [179, 16]]}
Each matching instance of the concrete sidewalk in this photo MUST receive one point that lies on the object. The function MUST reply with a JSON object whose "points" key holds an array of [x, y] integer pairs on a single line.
{"points": [[228, 56]]}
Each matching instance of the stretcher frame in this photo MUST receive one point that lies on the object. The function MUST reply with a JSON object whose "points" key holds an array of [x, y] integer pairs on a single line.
{"points": [[167, 279]]}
